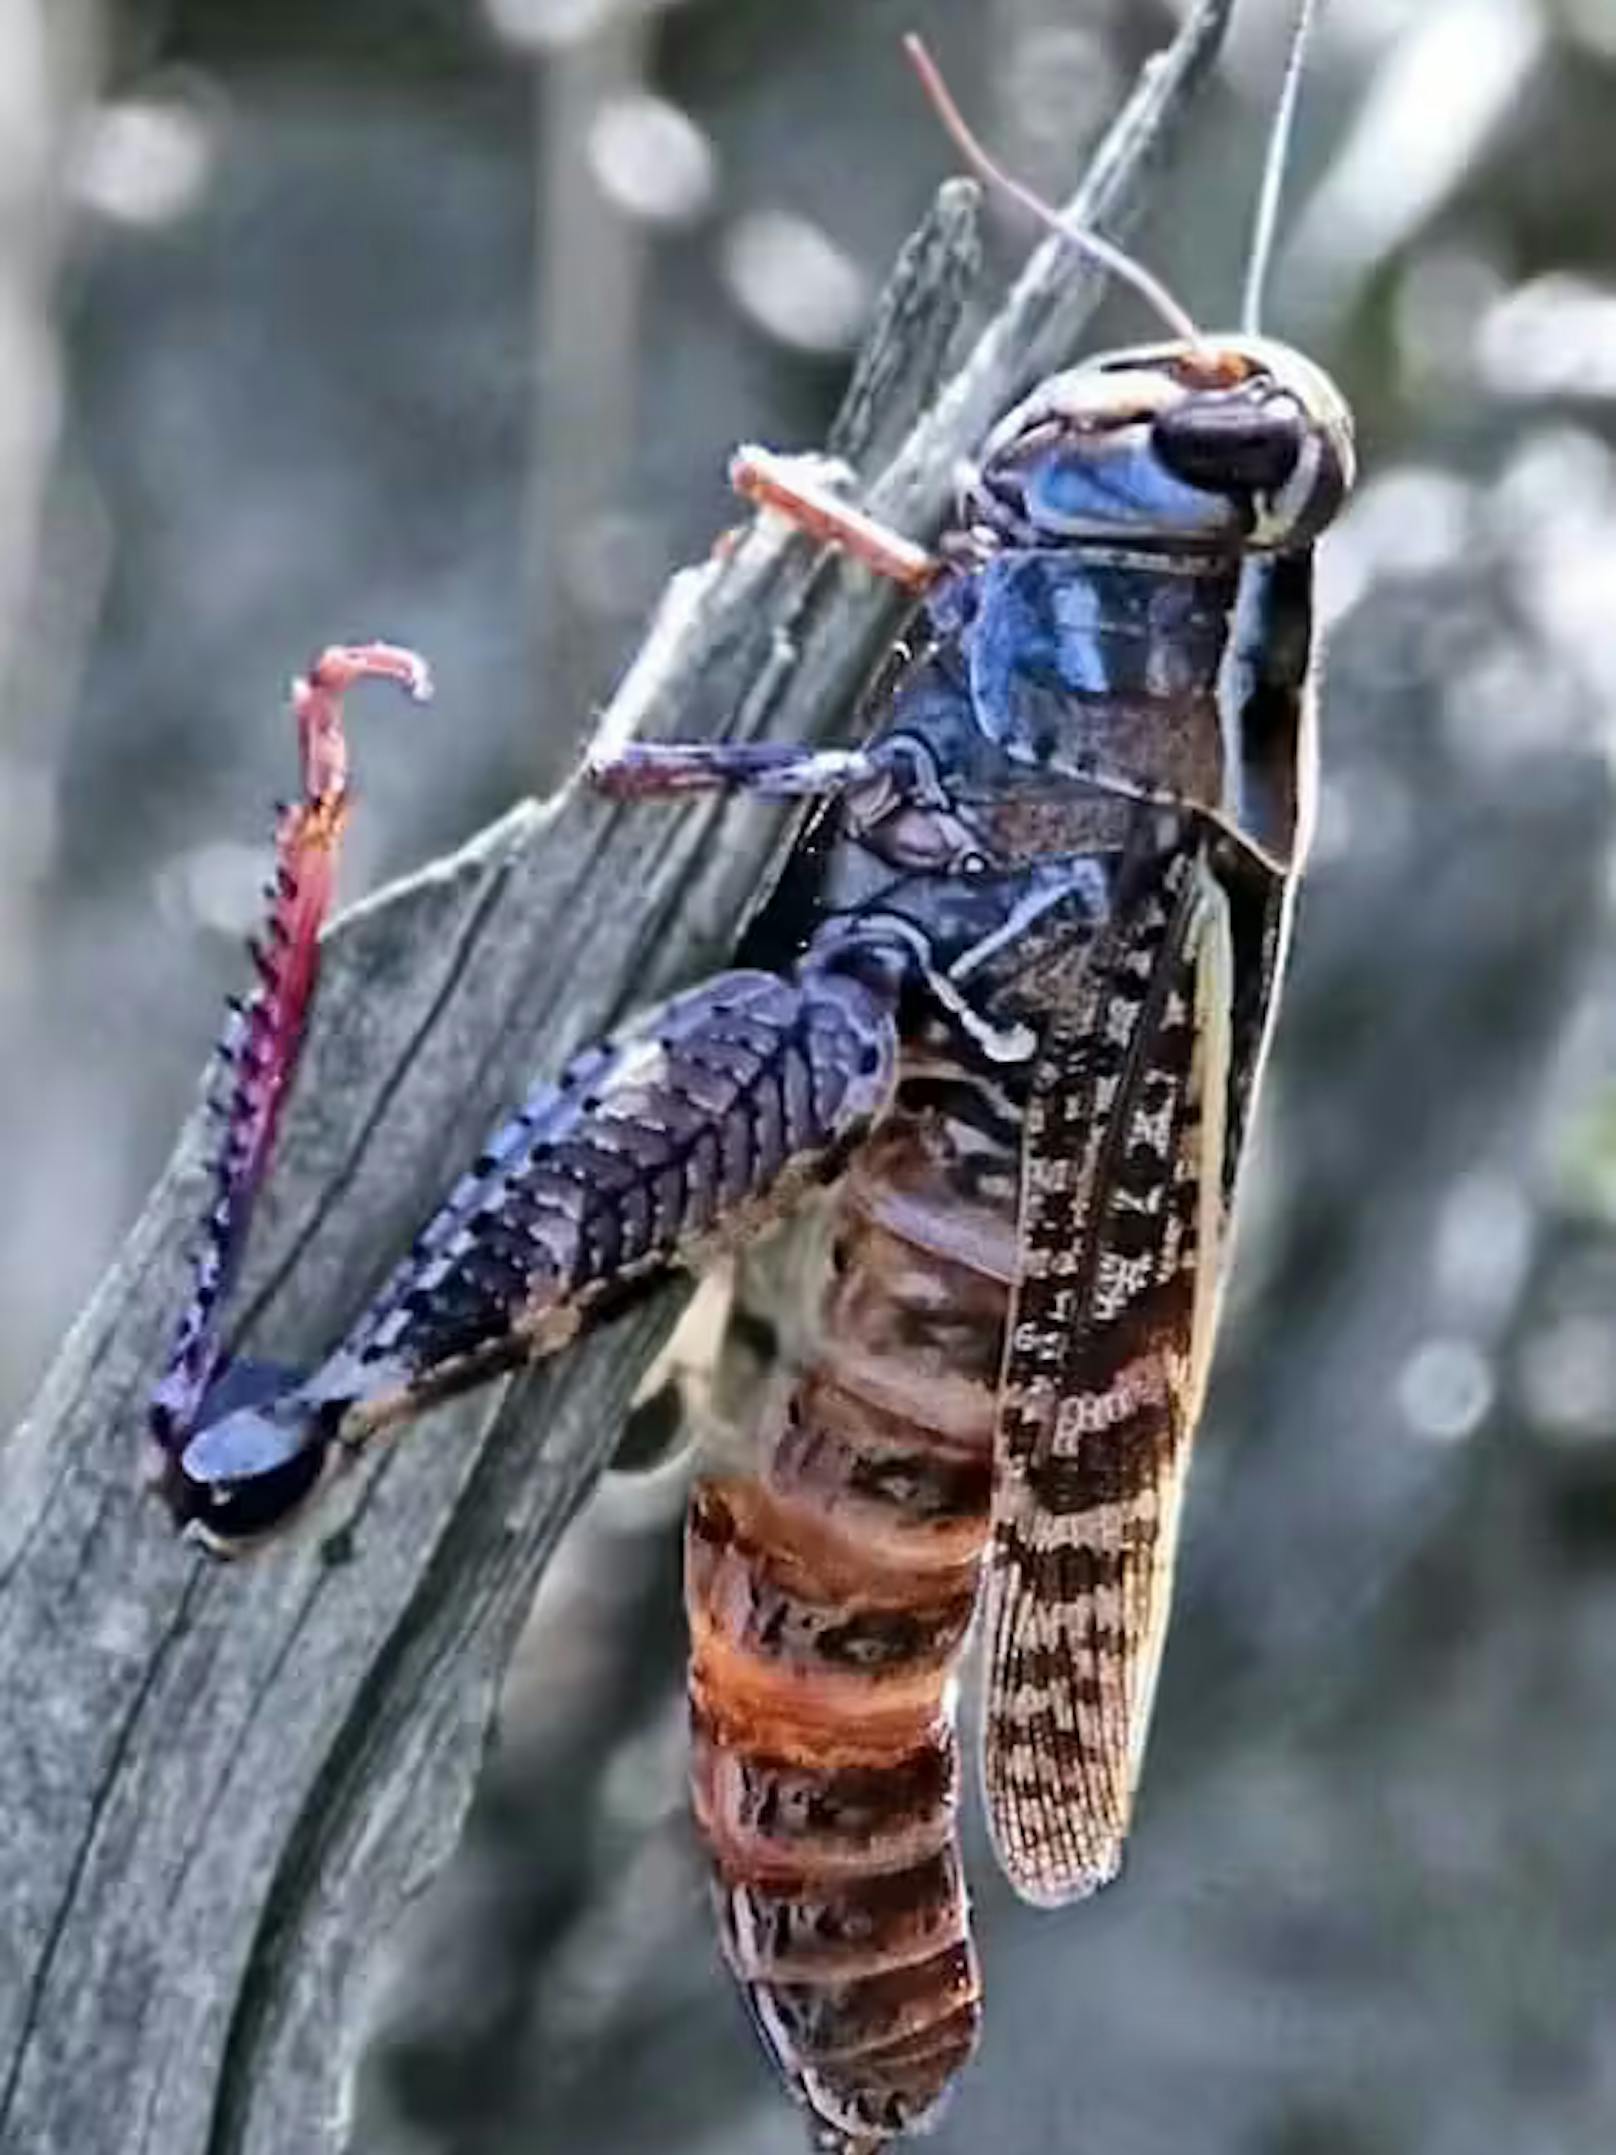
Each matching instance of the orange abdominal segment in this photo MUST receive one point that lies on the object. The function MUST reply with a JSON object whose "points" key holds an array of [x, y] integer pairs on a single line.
{"points": [[830, 1594]]}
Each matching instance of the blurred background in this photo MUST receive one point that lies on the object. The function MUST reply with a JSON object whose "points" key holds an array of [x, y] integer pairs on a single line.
{"points": [[436, 319]]}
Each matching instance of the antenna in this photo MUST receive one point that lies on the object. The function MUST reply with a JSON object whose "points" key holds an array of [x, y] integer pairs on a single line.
{"points": [[1101, 251], [1266, 222]]}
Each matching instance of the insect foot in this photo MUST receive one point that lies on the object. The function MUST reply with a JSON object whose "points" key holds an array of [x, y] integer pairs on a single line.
{"points": [[243, 1475]]}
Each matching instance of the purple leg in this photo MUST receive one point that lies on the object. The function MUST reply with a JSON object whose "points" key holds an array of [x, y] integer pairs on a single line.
{"points": [[642, 770]]}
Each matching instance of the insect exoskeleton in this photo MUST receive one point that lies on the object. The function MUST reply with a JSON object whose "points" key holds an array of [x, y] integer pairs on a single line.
{"points": [[1103, 711], [1008, 1007], [1236, 441]]}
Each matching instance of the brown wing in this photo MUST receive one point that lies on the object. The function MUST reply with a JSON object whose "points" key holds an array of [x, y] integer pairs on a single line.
{"points": [[1122, 1218]]}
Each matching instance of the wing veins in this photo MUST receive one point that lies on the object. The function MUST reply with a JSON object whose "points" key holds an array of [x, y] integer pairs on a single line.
{"points": [[1133, 1070], [1059, 1832]]}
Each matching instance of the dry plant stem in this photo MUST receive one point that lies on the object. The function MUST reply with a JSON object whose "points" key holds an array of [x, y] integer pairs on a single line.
{"points": [[219, 1786]]}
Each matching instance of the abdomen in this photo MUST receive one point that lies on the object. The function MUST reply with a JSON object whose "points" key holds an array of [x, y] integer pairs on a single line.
{"points": [[830, 1592]]}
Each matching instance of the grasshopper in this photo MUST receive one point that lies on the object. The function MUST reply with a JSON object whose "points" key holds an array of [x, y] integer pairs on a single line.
{"points": [[1006, 1010]]}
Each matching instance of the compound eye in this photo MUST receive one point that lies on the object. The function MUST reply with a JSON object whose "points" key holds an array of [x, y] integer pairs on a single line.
{"points": [[1244, 443], [246, 1474]]}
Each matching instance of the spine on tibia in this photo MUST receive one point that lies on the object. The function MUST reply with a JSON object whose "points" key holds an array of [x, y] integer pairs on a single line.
{"points": [[830, 1593]]}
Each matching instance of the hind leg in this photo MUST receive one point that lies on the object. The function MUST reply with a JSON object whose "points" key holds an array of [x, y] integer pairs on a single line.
{"points": [[703, 1122]]}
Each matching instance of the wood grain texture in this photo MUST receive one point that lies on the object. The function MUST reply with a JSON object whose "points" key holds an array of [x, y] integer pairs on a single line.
{"points": [[220, 1786]]}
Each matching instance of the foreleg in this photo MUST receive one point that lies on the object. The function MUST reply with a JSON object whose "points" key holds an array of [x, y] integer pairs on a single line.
{"points": [[796, 488], [768, 770]]}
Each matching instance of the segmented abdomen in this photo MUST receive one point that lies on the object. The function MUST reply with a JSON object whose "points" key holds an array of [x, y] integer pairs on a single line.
{"points": [[830, 1593]]}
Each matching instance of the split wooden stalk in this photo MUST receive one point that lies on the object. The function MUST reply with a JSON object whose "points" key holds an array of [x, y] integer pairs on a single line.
{"points": [[219, 1786]]}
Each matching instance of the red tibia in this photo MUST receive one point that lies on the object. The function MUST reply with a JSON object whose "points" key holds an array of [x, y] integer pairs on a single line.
{"points": [[307, 842], [261, 1046]]}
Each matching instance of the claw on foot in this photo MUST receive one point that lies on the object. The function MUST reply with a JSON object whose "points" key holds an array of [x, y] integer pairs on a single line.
{"points": [[317, 703]]}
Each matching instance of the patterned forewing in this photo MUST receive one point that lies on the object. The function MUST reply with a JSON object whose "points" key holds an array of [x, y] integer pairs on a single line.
{"points": [[1122, 1222]]}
